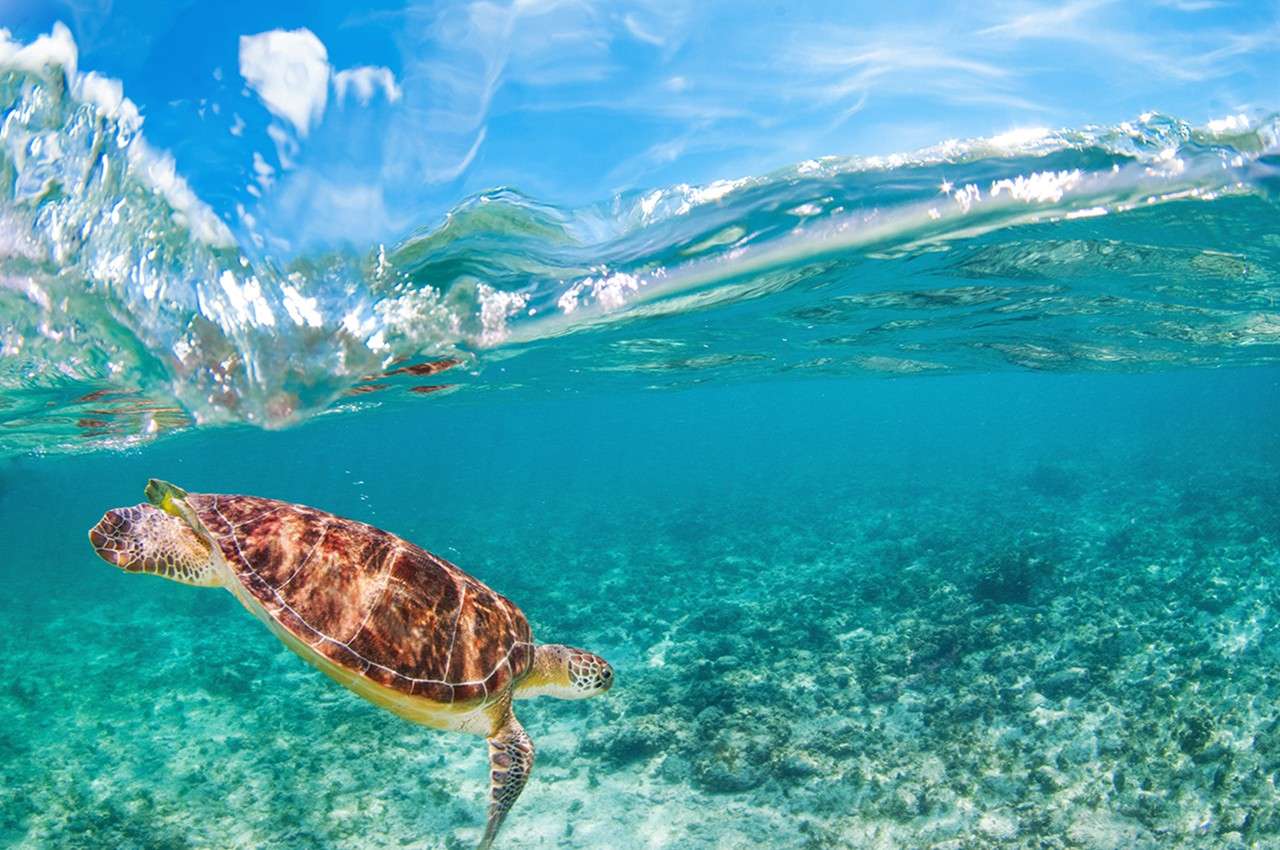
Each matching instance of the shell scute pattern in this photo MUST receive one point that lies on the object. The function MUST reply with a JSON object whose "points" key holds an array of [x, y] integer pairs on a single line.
{"points": [[410, 625], [370, 601]]}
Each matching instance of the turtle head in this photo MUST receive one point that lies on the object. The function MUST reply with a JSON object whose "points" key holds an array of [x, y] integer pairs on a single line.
{"points": [[589, 674], [145, 539], [567, 673]]}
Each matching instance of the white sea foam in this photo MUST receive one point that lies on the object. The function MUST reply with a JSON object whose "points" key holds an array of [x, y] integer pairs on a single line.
{"points": [[56, 53], [232, 337]]}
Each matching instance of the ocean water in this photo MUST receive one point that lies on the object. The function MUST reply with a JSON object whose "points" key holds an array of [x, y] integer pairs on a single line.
{"points": [[918, 501]]}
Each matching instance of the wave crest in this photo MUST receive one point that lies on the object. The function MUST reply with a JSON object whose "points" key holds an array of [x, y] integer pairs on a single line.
{"points": [[129, 309]]}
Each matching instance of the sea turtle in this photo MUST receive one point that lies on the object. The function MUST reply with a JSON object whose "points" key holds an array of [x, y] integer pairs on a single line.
{"points": [[401, 627]]}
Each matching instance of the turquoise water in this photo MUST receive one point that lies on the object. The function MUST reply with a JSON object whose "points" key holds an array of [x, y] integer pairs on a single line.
{"points": [[909, 514], [994, 610]]}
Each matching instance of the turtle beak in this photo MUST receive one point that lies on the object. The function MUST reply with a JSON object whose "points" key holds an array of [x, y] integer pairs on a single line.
{"points": [[108, 538]]}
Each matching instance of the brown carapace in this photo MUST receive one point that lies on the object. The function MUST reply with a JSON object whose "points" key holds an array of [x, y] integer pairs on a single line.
{"points": [[403, 628], [369, 601]]}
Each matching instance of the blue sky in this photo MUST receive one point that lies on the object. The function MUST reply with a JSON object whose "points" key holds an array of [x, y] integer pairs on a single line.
{"points": [[358, 124]]}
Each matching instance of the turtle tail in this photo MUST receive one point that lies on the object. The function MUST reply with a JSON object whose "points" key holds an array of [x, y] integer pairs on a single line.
{"points": [[145, 539]]}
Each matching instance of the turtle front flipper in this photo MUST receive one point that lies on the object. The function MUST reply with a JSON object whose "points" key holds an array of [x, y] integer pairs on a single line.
{"points": [[510, 762], [164, 495], [145, 539]]}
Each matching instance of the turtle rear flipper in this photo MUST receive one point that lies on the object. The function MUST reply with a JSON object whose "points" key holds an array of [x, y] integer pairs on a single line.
{"points": [[510, 762], [145, 539]]}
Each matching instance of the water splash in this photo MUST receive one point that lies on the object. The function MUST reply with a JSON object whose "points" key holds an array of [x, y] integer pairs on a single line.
{"points": [[129, 309]]}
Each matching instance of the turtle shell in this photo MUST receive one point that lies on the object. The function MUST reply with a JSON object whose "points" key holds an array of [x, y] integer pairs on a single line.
{"points": [[369, 601]]}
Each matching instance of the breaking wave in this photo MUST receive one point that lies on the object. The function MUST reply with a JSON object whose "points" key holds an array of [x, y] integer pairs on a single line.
{"points": [[128, 308]]}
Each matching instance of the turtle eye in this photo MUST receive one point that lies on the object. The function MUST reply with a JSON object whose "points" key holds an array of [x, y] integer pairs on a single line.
{"points": [[589, 674]]}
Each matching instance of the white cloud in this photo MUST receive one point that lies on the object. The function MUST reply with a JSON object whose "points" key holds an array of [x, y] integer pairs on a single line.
{"points": [[844, 67], [334, 208], [263, 172], [291, 74], [1190, 5], [469, 52], [289, 70], [1113, 30], [286, 147], [898, 64], [637, 29], [363, 81], [1048, 21]]}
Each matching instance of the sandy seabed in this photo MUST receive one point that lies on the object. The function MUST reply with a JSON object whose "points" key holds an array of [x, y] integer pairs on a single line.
{"points": [[1058, 658]]}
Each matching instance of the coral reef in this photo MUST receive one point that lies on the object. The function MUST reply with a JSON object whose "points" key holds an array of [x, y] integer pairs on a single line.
{"points": [[883, 666]]}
